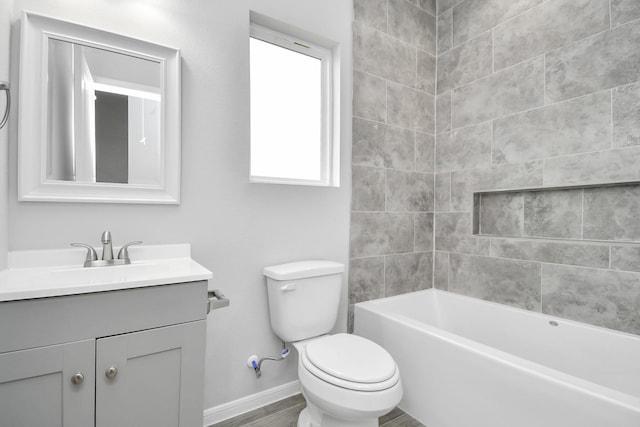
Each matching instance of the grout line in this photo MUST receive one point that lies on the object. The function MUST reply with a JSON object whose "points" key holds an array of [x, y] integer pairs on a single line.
{"points": [[450, 192], [384, 275], [391, 125], [494, 26], [493, 51], [582, 217], [541, 286], [612, 128], [544, 80], [539, 107], [610, 16], [386, 30]]}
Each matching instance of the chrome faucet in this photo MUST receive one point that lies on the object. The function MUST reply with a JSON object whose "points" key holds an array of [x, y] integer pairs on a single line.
{"points": [[107, 248], [92, 260]]}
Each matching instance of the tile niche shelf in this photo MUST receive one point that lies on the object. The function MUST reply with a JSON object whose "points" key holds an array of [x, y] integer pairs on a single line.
{"points": [[594, 212]]}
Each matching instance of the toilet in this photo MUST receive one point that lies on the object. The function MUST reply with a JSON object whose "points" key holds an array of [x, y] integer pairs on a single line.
{"points": [[346, 380]]}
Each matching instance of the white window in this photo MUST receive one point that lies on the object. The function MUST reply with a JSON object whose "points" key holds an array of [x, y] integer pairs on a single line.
{"points": [[292, 135]]}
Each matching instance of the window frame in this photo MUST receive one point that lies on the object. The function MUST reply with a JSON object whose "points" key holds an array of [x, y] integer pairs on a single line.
{"points": [[329, 158]]}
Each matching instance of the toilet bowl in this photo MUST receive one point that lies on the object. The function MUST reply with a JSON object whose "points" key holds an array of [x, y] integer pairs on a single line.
{"points": [[347, 380]]}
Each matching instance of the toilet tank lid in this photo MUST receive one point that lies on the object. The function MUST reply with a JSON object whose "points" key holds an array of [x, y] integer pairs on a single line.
{"points": [[303, 269]]}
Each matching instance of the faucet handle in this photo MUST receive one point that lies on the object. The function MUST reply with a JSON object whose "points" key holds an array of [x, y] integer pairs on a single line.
{"points": [[92, 255], [123, 253]]}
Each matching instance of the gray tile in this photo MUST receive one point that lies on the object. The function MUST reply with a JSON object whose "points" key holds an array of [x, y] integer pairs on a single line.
{"points": [[350, 319], [600, 297], [473, 17], [368, 188], [409, 191], [379, 145], [547, 26], [503, 177], [409, 108], [467, 62], [602, 167], [424, 152], [366, 279], [428, 5], [501, 214], [576, 126], [377, 233], [443, 192], [624, 11], [295, 402], [466, 148], [600, 62], [514, 283], [404, 421], [506, 92], [611, 213], [369, 97], [426, 72], [412, 25], [445, 31], [285, 418], [423, 232], [555, 213], [626, 115], [625, 258], [443, 112], [580, 254], [454, 233], [441, 270], [371, 12], [445, 5], [408, 273], [395, 413], [378, 53]]}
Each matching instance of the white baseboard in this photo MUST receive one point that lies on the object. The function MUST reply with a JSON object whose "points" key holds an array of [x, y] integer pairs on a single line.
{"points": [[249, 403]]}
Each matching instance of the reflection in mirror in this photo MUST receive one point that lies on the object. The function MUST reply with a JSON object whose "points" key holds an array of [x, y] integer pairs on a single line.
{"points": [[104, 116]]}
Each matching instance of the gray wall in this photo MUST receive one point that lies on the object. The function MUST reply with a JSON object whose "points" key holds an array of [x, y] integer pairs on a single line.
{"points": [[534, 93], [393, 125], [5, 26], [235, 228]]}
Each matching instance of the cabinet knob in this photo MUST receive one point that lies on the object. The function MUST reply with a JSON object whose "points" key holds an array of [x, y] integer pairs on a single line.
{"points": [[77, 378], [111, 372]]}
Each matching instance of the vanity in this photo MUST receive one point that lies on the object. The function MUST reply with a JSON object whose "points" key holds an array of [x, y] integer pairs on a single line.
{"points": [[104, 346]]}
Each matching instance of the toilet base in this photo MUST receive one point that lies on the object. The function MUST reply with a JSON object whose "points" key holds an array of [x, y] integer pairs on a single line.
{"points": [[311, 416]]}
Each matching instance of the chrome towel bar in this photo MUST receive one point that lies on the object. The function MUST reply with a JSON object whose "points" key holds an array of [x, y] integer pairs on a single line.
{"points": [[216, 300]]}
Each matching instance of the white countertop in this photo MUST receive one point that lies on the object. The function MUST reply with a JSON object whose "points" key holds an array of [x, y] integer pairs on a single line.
{"points": [[57, 272]]}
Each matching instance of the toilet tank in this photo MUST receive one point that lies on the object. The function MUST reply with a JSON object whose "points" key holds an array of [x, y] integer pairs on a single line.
{"points": [[303, 298]]}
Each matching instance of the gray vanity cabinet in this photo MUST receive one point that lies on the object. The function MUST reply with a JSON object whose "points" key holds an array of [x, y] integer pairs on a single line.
{"points": [[126, 358], [153, 384], [36, 390]]}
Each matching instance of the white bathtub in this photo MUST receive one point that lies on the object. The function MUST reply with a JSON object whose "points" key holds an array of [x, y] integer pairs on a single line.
{"points": [[470, 363]]}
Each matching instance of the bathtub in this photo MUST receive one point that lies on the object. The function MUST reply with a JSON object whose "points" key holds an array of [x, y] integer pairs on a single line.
{"points": [[471, 363]]}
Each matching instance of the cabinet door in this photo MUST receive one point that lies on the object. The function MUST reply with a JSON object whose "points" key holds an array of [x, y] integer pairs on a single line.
{"points": [[36, 387], [151, 378]]}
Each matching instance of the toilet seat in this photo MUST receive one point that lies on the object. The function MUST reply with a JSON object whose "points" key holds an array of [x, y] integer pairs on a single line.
{"points": [[350, 362]]}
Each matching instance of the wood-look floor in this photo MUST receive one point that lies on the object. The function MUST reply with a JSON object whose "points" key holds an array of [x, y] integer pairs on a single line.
{"points": [[285, 414]]}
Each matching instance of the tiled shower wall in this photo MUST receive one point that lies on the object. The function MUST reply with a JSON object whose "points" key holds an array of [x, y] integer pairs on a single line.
{"points": [[531, 94], [394, 48]]}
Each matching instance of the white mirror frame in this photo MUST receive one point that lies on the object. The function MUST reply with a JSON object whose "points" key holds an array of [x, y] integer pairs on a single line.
{"points": [[33, 184]]}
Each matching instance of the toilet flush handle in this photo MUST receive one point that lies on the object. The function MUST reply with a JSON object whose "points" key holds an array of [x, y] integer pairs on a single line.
{"points": [[288, 287]]}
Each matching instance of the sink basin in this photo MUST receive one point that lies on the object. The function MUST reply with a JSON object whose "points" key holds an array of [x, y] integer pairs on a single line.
{"points": [[154, 265]]}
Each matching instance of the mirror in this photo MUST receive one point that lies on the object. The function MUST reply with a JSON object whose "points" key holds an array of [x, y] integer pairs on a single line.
{"points": [[108, 113]]}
